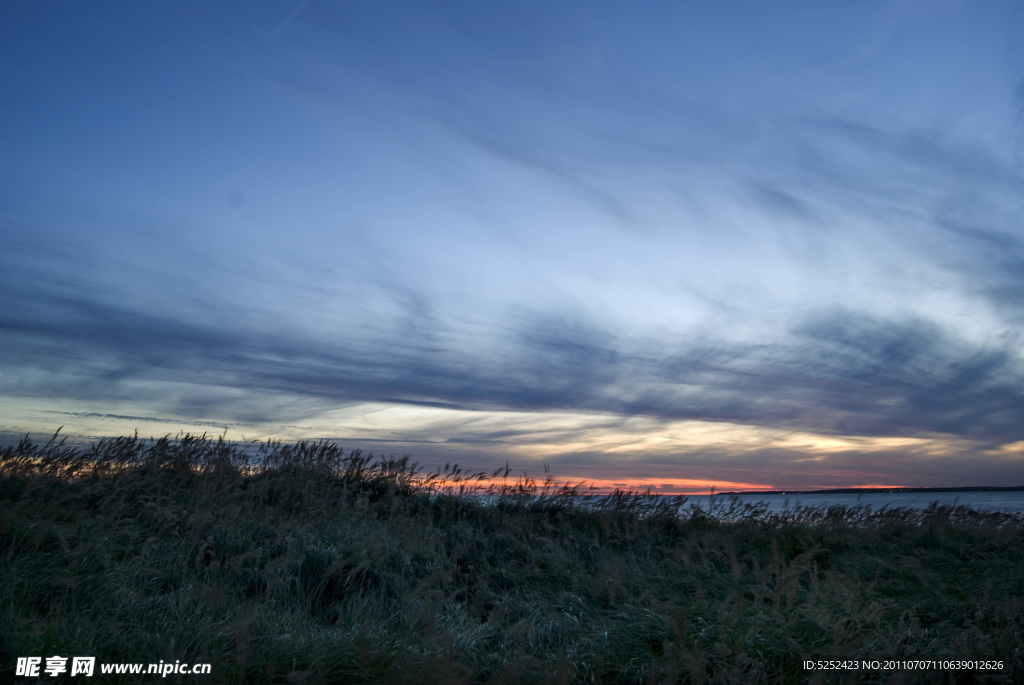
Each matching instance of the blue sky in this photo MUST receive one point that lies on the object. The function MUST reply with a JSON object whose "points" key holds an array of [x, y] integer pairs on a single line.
{"points": [[667, 244]]}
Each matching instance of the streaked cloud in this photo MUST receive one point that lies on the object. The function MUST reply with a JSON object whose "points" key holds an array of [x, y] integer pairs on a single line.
{"points": [[757, 246]]}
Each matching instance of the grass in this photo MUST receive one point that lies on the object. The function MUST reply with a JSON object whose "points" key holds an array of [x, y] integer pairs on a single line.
{"points": [[305, 564]]}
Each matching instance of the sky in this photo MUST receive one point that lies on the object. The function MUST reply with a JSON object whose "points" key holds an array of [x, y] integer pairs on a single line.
{"points": [[676, 245]]}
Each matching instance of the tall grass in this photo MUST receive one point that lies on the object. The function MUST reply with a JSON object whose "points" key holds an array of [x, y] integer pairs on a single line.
{"points": [[302, 563]]}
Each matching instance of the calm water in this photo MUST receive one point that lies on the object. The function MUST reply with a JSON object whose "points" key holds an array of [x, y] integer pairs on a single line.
{"points": [[982, 501], [985, 501]]}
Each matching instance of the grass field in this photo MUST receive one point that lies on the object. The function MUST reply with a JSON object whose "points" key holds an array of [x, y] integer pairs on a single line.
{"points": [[307, 564]]}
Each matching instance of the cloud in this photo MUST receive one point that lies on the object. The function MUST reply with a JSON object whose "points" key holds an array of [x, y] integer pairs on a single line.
{"points": [[146, 419], [910, 376], [841, 371], [528, 209]]}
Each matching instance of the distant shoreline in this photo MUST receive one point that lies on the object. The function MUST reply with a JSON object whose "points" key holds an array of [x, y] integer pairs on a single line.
{"points": [[857, 491]]}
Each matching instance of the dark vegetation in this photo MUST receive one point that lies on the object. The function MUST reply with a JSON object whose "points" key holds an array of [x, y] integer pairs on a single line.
{"points": [[300, 563]]}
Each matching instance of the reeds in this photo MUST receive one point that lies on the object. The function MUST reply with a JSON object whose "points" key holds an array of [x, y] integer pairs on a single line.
{"points": [[305, 563]]}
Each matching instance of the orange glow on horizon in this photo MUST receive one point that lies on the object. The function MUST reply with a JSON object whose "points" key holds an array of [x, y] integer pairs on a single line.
{"points": [[690, 486], [875, 486], [664, 486]]}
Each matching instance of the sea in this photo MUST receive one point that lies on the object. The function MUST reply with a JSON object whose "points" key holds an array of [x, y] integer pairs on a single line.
{"points": [[986, 500], [1007, 501]]}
